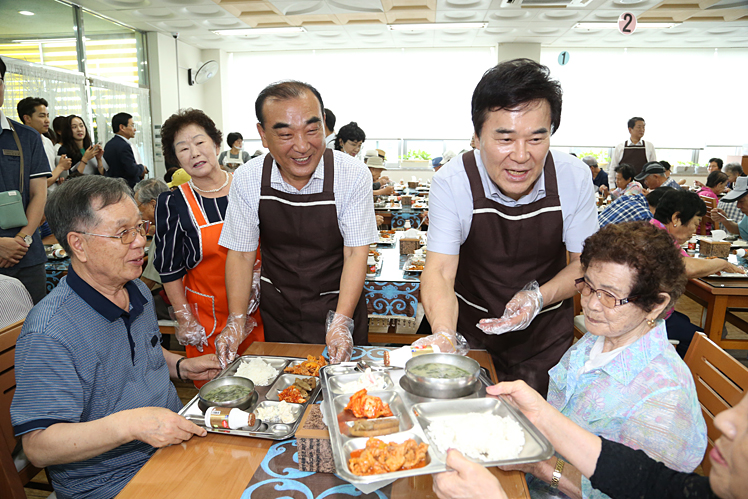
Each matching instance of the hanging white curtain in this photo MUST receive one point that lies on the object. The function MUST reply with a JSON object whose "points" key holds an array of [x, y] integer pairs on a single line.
{"points": [[109, 98], [64, 90]]}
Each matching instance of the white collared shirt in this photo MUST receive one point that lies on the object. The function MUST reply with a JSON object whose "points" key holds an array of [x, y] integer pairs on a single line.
{"points": [[354, 201], [4, 121]]}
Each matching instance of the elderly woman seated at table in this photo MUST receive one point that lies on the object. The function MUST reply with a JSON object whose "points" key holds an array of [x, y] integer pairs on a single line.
{"points": [[625, 183], [679, 213], [716, 183], [623, 381]]}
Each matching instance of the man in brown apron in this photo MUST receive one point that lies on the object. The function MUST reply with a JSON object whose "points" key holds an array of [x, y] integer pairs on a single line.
{"points": [[634, 152], [312, 211], [505, 216]]}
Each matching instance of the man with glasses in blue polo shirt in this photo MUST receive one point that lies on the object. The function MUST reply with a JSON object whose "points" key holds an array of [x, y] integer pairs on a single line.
{"points": [[93, 396]]}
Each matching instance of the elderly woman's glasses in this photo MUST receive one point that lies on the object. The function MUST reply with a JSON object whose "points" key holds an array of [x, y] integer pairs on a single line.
{"points": [[126, 236], [607, 299]]}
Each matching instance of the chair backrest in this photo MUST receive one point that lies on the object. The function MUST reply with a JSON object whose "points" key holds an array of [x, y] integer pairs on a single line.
{"points": [[721, 382], [710, 203], [9, 478]]}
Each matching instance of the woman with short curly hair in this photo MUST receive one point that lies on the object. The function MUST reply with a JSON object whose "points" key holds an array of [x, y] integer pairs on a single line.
{"points": [[623, 380], [188, 257]]}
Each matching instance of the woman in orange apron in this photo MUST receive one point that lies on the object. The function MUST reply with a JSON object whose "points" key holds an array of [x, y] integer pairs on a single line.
{"points": [[188, 257]]}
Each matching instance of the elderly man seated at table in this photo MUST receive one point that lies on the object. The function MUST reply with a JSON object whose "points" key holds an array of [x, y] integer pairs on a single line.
{"points": [[735, 198], [93, 396], [623, 381], [633, 208]]}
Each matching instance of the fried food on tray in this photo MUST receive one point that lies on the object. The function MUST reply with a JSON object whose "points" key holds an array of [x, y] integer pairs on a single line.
{"points": [[380, 457], [367, 406], [309, 367], [292, 395]]}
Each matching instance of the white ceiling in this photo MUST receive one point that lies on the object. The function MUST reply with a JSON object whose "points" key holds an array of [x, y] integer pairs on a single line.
{"points": [[357, 24]]}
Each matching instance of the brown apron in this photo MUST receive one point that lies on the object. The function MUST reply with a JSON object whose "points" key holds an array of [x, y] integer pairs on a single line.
{"points": [[302, 261], [635, 156], [508, 247]]}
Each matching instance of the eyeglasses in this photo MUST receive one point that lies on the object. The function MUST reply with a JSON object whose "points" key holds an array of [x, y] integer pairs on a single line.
{"points": [[607, 299], [127, 236]]}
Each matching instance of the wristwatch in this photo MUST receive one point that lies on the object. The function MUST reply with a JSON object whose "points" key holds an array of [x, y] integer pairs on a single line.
{"points": [[27, 239], [557, 473]]}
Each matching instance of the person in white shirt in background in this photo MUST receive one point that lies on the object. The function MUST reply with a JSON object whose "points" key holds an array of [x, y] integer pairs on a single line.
{"points": [[15, 301], [634, 151], [33, 112], [330, 129]]}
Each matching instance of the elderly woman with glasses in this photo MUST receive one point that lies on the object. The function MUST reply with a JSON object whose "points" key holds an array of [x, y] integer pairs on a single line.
{"points": [[623, 380]]}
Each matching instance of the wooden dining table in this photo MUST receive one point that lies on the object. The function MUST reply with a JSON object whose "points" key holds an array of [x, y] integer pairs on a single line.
{"points": [[718, 295], [222, 466]]}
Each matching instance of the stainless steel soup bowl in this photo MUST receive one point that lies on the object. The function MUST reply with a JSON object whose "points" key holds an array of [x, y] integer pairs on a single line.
{"points": [[438, 387], [241, 403]]}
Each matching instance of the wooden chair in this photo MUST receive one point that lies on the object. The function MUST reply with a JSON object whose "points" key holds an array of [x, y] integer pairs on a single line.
{"points": [[721, 382], [710, 203], [12, 479]]}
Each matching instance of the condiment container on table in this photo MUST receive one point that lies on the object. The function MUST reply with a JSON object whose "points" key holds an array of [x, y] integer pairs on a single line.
{"points": [[226, 417]]}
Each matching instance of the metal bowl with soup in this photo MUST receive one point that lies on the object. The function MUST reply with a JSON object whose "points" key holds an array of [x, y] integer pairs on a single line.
{"points": [[229, 391], [442, 375]]}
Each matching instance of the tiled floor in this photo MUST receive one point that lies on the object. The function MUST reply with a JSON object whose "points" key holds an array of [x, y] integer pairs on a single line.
{"points": [[693, 310]]}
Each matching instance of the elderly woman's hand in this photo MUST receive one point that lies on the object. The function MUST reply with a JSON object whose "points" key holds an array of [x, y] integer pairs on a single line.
{"points": [[732, 269], [523, 397], [519, 313], [469, 480]]}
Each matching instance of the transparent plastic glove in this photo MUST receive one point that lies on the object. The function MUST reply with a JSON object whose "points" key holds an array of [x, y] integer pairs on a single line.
{"points": [[447, 340], [254, 298], [238, 327], [339, 338], [188, 330], [519, 313]]}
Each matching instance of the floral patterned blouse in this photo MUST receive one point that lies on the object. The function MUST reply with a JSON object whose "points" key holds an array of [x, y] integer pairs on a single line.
{"points": [[633, 187], [644, 398]]}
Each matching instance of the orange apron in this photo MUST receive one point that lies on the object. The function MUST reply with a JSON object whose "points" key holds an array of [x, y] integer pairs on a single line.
{"points": [[205, 285]]}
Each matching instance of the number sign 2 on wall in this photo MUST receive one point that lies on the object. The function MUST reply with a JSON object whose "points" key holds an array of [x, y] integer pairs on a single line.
{"points": [[627, 23]]}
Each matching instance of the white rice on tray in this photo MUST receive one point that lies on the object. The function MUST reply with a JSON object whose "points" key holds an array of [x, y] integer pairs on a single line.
{"points": [[260, 372], [484, 437]]}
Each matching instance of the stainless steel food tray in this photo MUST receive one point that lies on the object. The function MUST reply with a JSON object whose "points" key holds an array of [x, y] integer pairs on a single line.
{"points": [[415, 413], [266, 395]]}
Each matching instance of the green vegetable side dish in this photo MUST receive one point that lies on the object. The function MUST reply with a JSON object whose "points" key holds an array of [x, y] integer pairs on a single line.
{"points": [[441, 371], [227, 393]]}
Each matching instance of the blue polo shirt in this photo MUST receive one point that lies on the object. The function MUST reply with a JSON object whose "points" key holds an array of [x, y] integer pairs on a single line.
{"points": [[80, 358]]}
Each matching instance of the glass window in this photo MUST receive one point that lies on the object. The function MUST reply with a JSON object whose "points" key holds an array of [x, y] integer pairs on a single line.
{"points": [[112, 50], [46, 37]]}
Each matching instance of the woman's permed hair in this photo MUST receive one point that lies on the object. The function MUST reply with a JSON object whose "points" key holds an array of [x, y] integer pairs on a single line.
{"points": [[351, 132], [176, 122], [686, 203], [656, 263], [627, 171]]}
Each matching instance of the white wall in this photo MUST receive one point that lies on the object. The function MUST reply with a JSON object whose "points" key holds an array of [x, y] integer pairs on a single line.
{"points": [[390, 93], [688, 97]]}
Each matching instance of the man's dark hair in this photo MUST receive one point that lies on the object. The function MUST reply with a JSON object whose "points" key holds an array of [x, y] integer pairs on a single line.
{"points": [[330, 120], [515, 84], [27, 106], [626, 170], [352, 132], [170, 173], [632, 121], [718, 161], [2, 69], [176, 122], [233, 137], [688, 204], [70, 208], [715, 178], [284, 90], [120, 119], [57, 124], [653, 198], [665, 164]]}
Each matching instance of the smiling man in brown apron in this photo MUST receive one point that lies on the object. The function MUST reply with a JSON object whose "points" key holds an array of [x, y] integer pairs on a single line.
{"points": [[312, 209], [634, 152], [503, 216]]}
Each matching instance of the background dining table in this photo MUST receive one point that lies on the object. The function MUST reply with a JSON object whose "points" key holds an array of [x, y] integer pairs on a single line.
{"points": [[222, 466]]}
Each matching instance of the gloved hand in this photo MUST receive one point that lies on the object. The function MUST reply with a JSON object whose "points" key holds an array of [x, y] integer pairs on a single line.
{"points": [[188, 330], [519, 313], [254, 298], [339, 338], [238, 327], [447, 340]]}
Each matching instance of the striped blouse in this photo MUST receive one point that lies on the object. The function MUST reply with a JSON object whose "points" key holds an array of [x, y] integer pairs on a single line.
{"points": [[178, 246]]}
